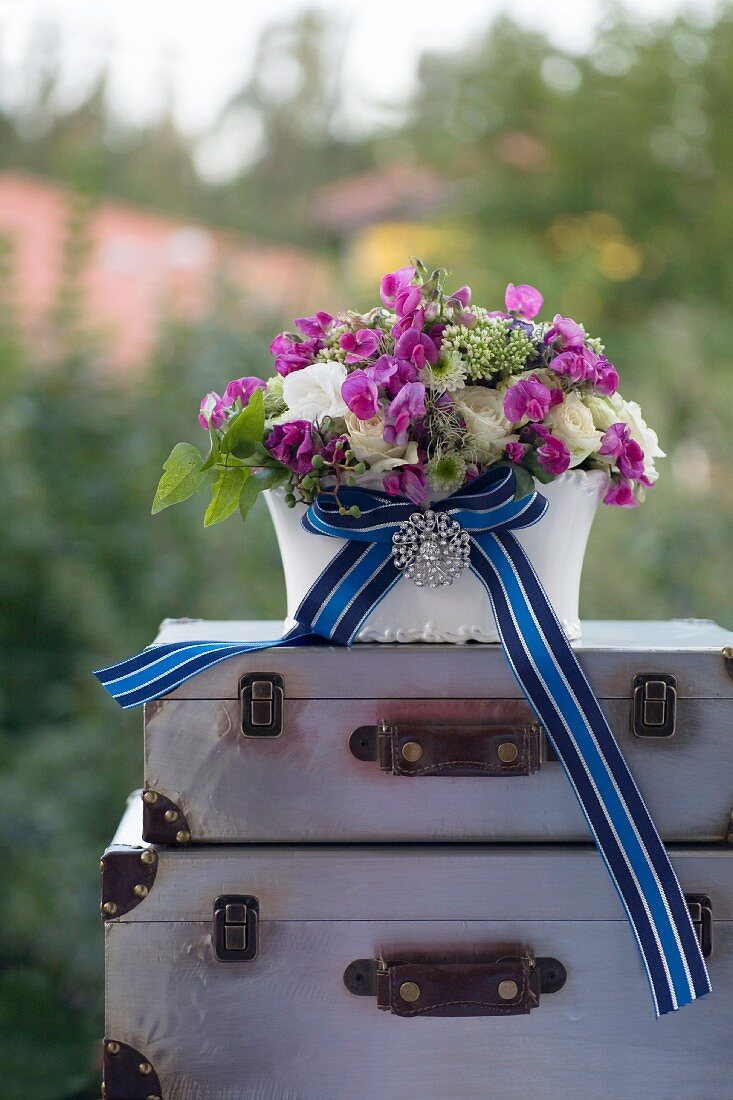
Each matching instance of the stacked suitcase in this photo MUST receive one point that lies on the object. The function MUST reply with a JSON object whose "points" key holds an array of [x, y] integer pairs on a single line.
{"points": [[359, 874]]}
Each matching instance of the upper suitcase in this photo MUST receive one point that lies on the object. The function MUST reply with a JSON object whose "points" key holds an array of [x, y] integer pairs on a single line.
{"points": [[332, 743]]}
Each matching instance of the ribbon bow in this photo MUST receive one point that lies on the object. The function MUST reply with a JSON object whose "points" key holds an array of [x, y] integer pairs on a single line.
{"points": [[545, 666]]}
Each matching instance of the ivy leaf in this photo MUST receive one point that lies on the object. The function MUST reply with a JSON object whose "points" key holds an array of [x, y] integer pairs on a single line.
{"points": [[183, 476], [247, 428], [225, 494], [256, 483]]}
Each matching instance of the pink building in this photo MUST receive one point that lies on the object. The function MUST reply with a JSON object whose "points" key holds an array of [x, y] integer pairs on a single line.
{"points": [[142, 266]]}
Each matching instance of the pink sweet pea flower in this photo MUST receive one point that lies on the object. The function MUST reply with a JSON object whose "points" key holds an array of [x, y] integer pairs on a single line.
{"points": [[553, 455], [574, 364], [460, 297], [416, 346], [212, 411], [528, 399], [406, 481], [407, 371], [316, 326], [524, 300], [565, 331], [627, 452], [621, 494], [360, 345], [242, 389], [394, 282], [291, 355], [292, 444], [407, 300], [381, 370], [515, 452], [406, 406], [606, 380], [361, 395]]}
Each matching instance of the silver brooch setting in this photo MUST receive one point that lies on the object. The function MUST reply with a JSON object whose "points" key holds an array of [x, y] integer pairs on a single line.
{"points": [[431, 549]]}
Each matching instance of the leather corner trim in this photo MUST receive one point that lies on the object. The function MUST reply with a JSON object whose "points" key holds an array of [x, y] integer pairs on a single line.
{"points": [[163, 821], [128, 1075], [128, 875]]}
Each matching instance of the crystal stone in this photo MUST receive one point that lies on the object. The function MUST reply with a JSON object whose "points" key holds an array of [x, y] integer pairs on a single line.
{"points": [[431, 549]]}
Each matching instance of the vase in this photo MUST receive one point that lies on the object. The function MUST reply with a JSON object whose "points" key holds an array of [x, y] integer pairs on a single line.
{"points": [[460, 612]]}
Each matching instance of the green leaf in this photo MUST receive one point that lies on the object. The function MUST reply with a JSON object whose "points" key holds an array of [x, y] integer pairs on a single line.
{"points": [[183, 476], [524, 482], [537, 470], [256, 483], [225, 494], [247, 428]]}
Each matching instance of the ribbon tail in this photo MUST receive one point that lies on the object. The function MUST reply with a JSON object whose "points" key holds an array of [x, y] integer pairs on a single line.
{"points": [[548, 672], [160, 669], [348, 590]]}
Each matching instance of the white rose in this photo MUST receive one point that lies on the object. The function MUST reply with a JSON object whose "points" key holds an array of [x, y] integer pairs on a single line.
{"points": [[483, 411], [314, 392], [629, 412], [602, 411], [368, 445], [572, 422]]}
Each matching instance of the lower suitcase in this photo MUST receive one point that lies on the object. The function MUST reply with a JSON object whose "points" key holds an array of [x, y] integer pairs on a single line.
{"points": [[418, 972]]}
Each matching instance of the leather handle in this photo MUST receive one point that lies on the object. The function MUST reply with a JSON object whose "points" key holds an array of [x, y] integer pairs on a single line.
{"points": [[502, 987], [490, 750]]}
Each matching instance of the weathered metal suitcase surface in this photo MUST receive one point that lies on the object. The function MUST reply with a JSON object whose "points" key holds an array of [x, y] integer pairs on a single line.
{"points": [[399, 971], [428, 742]]}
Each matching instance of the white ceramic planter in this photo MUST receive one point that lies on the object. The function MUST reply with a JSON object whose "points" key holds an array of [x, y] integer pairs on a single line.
{"points": [[461, 612]]}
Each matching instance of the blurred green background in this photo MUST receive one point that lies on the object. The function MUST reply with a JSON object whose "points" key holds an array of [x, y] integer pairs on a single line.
{"points": [[605, 178]]}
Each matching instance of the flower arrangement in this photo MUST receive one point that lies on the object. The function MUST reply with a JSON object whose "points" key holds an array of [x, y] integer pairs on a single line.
{"points": [[415, 398]]}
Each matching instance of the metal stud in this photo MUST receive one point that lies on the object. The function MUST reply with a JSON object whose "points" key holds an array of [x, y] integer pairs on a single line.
{"points": [[508, 990], [171, 816], [150, 797], [412, 751], [183, 836], [109, 908], [410, 992], [147, 856], [145, 1068], [140, 891], [113, 1047], [507, 752]]}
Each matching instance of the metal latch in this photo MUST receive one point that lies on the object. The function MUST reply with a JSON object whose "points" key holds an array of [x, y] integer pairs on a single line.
{"points": [[654, 705], [261, 694], [701, 912], [235, 927]]}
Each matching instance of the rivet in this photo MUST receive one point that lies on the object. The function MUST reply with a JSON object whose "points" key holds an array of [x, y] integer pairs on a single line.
{"points": [[728, 652], [412, 751], [508, 990], [140, 891], [113, 1047], [109, 908], [147, 856], [183, 836], [150, 797], [171, 816], [507, 752], [409, 991], [145, 1068], [101, 865], [103, 1090]]}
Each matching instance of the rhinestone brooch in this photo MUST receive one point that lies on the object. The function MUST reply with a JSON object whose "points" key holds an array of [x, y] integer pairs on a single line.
{"points": [[431, 549]]}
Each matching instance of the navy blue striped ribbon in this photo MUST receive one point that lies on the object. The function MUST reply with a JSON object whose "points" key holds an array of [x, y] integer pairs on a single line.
{"points": [[361, 574]]}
